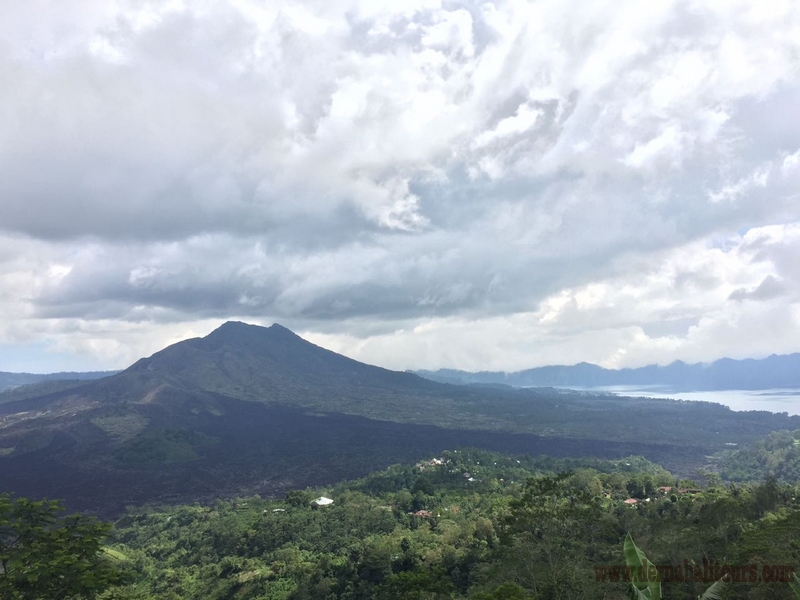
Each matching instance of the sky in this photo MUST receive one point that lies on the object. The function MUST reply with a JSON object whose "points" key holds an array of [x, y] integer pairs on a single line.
{"points": [[418, 184]]}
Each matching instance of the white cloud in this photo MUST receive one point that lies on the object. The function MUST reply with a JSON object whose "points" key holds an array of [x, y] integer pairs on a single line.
{"points": [[791, 162]]}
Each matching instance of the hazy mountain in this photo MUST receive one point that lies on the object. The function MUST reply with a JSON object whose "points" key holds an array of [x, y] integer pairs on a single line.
{"points": [[776, 371], [11, 380], [40, 388], [259, 409]]}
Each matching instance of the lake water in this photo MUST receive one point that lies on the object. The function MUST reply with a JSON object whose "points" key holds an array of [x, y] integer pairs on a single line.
{"points": [[776, 400]]}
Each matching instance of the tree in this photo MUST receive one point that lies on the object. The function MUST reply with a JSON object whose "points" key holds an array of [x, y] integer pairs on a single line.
{"points": [[417, 585], [43, 556], [506, 591], [714, 481], [299, 498], [548, 531]]}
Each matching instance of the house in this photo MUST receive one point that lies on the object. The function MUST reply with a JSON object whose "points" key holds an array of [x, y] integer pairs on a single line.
{"points": [[425, 514], [631, 501], [434, 462], [322, 501], [665, 489]]}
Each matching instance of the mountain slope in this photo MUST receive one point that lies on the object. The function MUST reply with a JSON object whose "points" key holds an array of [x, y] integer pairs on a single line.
{"points": [[776, 371]]}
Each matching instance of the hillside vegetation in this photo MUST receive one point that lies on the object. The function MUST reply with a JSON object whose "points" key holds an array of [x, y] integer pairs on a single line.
{"points": [[462, 525], [777, 455]]}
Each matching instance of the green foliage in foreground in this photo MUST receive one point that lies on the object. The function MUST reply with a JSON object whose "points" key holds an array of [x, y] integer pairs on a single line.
{"points": [[517, 531], [469, 525], [44, 557], [647, 588]]}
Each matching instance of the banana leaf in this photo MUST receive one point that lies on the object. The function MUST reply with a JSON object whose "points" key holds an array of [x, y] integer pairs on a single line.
{"points": [[795, 585], [716, 590], [641, 567]]}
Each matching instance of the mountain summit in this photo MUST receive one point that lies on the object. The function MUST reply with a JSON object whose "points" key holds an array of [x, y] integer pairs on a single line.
{"points": [[269, 364]]}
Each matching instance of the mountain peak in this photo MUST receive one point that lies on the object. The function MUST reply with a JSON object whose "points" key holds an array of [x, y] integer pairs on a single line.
{"points": [[238, 334], [241, 327]]}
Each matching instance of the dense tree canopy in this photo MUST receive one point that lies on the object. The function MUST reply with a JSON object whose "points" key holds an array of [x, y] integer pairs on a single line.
{"points": [[466, 524], [45, 557]]}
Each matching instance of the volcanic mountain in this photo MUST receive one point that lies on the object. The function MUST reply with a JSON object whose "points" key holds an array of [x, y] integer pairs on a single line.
{"points": [[267, 365], [253, 409], [272, 365]]}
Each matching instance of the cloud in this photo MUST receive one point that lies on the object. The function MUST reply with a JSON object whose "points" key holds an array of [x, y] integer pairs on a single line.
{"points": [[682, 303], [358, 168], [766, 290]]}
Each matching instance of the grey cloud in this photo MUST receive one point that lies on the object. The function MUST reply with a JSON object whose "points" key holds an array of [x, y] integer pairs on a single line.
{"points": [[170, 143], [767, 290], [669, 327], [689, 281]]}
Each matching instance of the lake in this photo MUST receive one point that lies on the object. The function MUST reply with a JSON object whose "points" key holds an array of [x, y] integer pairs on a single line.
{"points": [[774, 400]]}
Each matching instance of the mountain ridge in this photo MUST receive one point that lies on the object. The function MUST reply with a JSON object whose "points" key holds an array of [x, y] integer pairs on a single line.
{"points": [[774, 371], [9, 380]]}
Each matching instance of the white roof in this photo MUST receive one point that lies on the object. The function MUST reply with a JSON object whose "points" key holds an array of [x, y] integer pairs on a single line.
{"points": [[323, 501]]}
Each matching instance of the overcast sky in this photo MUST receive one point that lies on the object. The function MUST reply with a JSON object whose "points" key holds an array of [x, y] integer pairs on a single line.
{"points": [[416, 184]]}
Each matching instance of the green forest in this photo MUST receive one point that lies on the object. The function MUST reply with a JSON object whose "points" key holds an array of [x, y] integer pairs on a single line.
{"points": [[777, 455], [467, 524]]}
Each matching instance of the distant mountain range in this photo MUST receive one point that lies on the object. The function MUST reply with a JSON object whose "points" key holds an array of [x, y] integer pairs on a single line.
{"points": [[12, 380], [251, 409], [776, 371]]}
